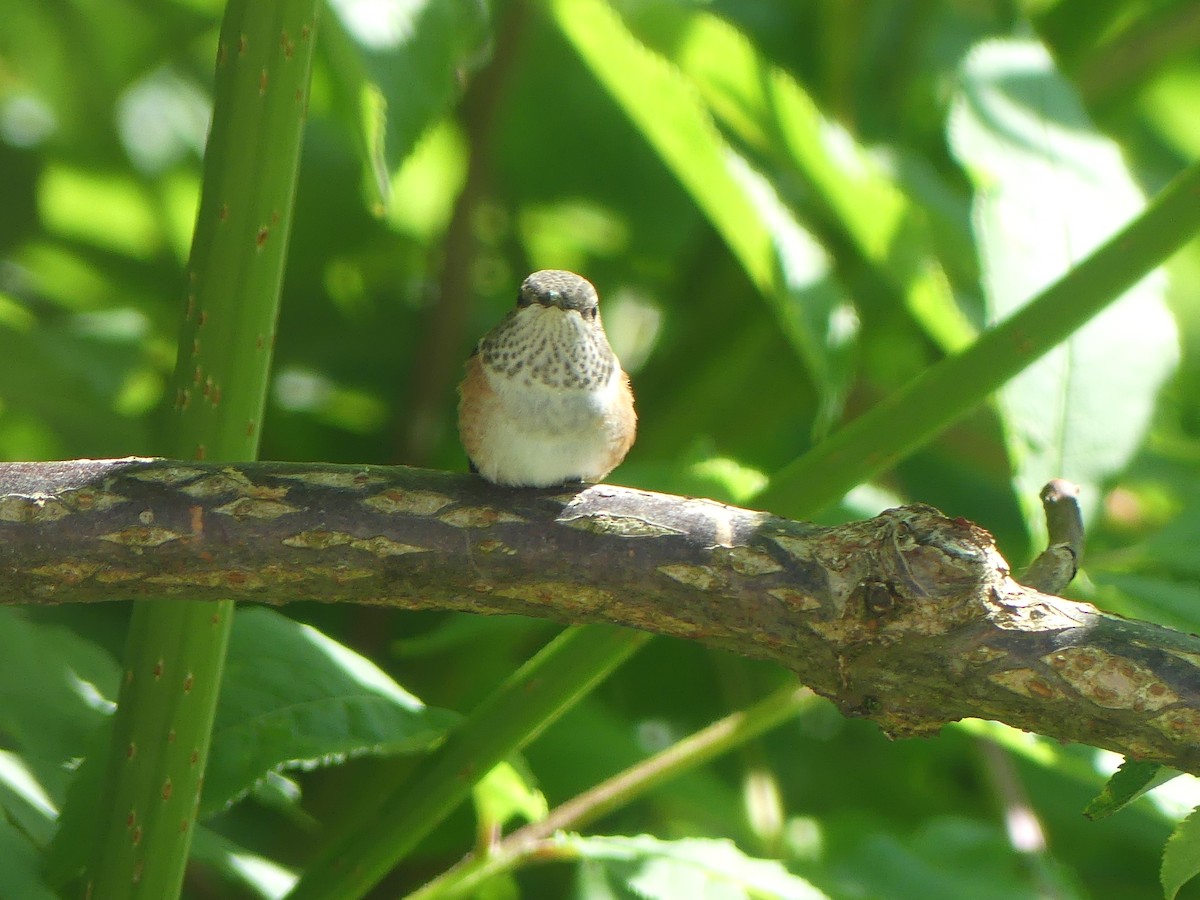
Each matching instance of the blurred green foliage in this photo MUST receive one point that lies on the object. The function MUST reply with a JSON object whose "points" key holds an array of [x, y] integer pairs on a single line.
{"points": [[790, 209]]}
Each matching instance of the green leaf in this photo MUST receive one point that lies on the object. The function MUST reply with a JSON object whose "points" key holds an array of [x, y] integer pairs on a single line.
{"points": [[943, 858], [506, 792], [24, 799], [260, 876], [1181, 856], [845, 189], [650, 869], [293, 698], [787, 265], [1133, 779], [75, 681], [398, 64], [1049, 190], [20, 870]]}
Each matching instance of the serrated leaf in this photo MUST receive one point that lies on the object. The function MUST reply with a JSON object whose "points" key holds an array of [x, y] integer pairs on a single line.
{"points": [[652, 869], [294, 698], [783, 261], [1050, 189], [1181, 856], [291, 697], [1133, 779]]}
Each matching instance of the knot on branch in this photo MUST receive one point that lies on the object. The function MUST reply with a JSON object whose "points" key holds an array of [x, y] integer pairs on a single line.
{"points": [[909, 573]]}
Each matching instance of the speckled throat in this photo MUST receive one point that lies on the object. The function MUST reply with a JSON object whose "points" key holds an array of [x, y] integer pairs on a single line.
{"points": [[545, 344]]}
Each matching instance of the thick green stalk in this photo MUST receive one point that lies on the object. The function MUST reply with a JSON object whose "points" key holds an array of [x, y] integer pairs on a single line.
{"points": [[917, 412], [534, 696], [176, 650]]}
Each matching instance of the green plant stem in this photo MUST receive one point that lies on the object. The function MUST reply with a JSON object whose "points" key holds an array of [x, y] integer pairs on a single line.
{"points": [[530, 699], [693, 751], [175, 651], [917, 412]]}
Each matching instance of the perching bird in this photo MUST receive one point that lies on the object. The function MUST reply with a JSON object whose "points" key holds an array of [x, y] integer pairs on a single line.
{"points": [[545, 400]]}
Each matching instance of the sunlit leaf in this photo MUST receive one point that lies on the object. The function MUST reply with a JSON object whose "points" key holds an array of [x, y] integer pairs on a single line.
{"points": [[1181, 857], [506, 792], [846, 189], [650, 869], [260, 876], [1132, 780], [401, 68], [292, 697], [1050, 189]]}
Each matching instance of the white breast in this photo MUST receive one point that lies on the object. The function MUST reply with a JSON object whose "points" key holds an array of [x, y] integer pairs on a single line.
{"points": [[540, 435]]}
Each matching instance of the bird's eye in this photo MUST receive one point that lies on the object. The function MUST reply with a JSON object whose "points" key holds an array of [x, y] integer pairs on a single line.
{"points": [[589, 313]]}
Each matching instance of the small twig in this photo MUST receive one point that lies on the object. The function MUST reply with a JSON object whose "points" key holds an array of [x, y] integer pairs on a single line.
{"points": [[1056, 566]]}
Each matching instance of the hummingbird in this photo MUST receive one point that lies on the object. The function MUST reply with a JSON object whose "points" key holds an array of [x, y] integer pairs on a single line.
{"points": [[544, 400]]}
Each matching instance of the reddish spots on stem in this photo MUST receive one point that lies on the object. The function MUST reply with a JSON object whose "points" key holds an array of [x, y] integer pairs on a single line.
{"points": [[137, 835], [215, 620], [216, 395], [262, 82], [305, 32], [185, 399], [197, 375], [183, 826], [242, 45], [166, 789], [194, 759], [195, 346], [203, 318], [223, 213], [286, 43], [191, 306], [249, 429], [274, 217], [299, 95], [208, 386], [221, 54], [171, 736], [129, 676], [158, 669], [201, 452], [131, 819], [261, 237], [137, 871], [259, 343], [187, 683], [131, 750]]}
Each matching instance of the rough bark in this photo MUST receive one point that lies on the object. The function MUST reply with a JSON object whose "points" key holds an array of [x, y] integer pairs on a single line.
{"points": [[910, 619]]}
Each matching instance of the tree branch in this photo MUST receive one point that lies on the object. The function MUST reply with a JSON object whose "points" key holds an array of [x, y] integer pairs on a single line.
{"points": [[910, 619]]}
